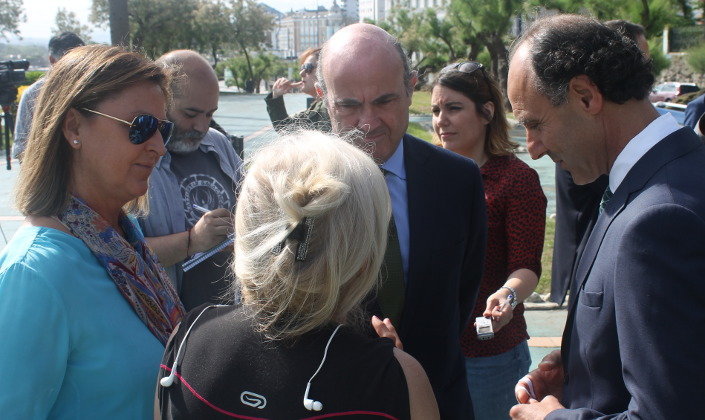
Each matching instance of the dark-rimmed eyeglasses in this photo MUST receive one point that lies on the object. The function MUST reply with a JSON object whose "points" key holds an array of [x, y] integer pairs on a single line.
{"points": [[308, 67], [468, 67], [143, 127]]}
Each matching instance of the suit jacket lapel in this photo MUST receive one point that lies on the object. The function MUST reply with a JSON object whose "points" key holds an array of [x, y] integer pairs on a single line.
{"points": [[421, 215], [675, 145]]}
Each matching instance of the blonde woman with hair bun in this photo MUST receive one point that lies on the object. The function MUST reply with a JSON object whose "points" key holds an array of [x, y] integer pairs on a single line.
{"points": [[311, 228]]}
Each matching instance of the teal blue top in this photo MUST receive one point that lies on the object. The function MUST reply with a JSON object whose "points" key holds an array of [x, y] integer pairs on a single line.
{"points": [[72, 347]]}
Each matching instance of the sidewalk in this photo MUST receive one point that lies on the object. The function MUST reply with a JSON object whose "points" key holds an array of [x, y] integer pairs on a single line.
{"points": [[545, 329], [10, 218]]}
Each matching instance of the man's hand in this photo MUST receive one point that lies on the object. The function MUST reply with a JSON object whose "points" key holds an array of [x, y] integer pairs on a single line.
{"points": [[385, 329], [535, 410], [283, 86], [496, 308], [546, 380], [210, 230]]}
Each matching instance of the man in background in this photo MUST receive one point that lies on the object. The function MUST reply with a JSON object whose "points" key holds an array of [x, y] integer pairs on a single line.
{"points": [[192, 188], [58, 46]]}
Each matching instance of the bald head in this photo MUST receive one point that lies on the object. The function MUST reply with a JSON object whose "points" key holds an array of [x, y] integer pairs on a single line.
{"points": [[367, 87], [357, 41], [187, 67], [195, 90]]}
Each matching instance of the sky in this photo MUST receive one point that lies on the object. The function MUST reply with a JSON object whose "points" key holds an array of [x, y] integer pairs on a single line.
{"points": [[41, 16]]}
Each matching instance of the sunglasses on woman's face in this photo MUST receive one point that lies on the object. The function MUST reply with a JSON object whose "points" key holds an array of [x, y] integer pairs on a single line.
{"points": [[308, 67], [468, 67], [143, 127]]}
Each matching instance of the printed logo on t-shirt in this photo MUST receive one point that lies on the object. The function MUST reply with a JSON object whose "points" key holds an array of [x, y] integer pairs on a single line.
{"points": [[253, 400], [204, 191]]}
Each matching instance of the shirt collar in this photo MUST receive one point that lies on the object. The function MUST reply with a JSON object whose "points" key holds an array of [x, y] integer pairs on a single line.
{"points": [[637, 147], [395, 163]]}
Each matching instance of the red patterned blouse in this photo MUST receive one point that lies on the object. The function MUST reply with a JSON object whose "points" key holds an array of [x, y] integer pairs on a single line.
{"points": [[516, 220]]}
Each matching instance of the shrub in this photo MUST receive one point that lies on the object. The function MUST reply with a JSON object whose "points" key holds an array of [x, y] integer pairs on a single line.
{"points": [[659, 59], [696, 58], [33, 76]]}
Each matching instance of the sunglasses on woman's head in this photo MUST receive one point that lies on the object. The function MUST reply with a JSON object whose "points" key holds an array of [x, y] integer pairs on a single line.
{"points": [[308, 67], [468, 67], [143, 127]]}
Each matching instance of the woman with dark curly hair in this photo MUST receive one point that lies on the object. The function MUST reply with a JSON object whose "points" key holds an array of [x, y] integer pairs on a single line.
{"points": [[468, 119]]}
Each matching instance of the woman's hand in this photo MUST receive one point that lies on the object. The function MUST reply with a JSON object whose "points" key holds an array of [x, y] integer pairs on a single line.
{"points": [[385, 329], [499, 309], [283, 86]]}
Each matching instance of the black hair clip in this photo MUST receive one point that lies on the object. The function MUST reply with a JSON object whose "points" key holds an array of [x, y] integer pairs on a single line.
{"points": [[302, 234]]}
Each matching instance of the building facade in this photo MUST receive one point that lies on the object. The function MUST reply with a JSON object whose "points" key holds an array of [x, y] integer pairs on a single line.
{"points": [[378, 10], [297, 31]]}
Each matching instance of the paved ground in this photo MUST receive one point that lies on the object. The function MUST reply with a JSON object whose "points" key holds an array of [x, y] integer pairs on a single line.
{"points": [[545, 330], [10, 219]]}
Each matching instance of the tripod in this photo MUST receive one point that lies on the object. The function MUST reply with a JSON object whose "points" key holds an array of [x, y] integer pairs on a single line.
{"points": [[9, 121]]}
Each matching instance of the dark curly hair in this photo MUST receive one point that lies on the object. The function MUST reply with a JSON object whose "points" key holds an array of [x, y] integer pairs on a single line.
{"points": [[565, 46]]}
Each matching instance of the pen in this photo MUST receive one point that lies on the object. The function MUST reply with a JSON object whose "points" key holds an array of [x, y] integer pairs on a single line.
{"points": [[199, 208]]}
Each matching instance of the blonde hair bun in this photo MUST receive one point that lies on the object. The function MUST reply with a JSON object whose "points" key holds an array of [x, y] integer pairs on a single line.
{"points": [[338, 187]]}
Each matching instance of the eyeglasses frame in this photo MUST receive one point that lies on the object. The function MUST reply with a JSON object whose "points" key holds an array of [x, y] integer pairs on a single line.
{"points": [[131, 124]]}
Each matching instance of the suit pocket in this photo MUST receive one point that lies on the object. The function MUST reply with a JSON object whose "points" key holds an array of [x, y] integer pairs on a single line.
{"points": [[591, 299]]}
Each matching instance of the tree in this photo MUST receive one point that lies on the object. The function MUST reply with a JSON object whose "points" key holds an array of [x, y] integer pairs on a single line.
{"points": [[119, 22], [11, 14], [488, 23], [66, 21], [211, 27], [250, 27], [653, 15], [156, 26]]}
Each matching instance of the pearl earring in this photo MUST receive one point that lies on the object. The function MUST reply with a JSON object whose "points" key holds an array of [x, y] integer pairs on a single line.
{"points": [[76, 141]]}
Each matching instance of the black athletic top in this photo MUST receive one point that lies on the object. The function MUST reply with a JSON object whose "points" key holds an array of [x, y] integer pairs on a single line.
{"points": [[227, 370]]}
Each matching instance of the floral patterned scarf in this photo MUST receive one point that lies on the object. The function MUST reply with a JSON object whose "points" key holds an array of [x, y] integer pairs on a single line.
{"points": [[140, 278]]}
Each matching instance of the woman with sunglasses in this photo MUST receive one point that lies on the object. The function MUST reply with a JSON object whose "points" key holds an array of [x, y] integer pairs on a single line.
{"points": [[85, 308], [315, 117], [468, 118]]}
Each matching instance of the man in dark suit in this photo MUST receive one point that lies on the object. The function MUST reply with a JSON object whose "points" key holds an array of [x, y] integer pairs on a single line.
{"points": [[632, 346], [576, 205], [438, 206]]}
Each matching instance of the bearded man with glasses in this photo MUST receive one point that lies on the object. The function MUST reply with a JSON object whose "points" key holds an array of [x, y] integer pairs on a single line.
{"points": [[192, 188]]}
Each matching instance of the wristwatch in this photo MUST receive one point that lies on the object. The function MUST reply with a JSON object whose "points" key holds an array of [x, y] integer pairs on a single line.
{"points": [[512, 297]]}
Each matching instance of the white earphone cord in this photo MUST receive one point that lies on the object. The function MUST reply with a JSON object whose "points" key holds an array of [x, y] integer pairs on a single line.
{"points": [[309, 404], [167, 381]]}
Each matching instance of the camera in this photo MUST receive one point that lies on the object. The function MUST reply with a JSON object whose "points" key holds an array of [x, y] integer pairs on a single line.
{"points": [[12, 75], [483, 327]]}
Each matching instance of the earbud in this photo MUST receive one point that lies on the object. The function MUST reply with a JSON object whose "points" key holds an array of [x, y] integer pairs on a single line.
{"points": [[312, 405], [167, 381]]}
